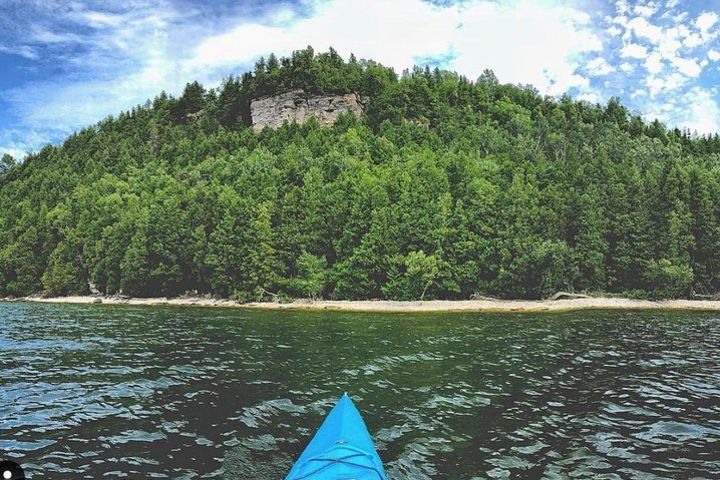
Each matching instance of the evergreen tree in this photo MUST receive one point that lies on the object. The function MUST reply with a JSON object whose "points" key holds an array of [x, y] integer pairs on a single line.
{"points": [[444, 188]]}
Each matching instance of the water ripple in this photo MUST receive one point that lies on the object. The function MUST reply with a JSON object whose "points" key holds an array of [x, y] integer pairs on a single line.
{"points": [[123, 392]]}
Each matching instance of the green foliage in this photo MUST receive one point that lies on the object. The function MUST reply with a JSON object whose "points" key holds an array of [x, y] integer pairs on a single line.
{"points": [[311, 276], [19, 263], [190, 104], [7, 162], [667, 280], [541, 270], [316, 74], [64, 274], [412, 275], [445, 188]]}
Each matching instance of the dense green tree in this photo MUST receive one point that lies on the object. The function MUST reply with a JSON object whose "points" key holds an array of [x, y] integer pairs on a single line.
{"points": [[310, 278], [411, 275], [668, 280], [444, 188], [7, 162], [190, 104]]}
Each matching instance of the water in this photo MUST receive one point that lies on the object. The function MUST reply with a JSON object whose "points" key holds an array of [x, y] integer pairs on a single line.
{"points": [[123, 392]]}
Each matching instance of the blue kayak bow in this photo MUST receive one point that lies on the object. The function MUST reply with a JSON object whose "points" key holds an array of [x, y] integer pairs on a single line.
{"points": [[340, 450]]}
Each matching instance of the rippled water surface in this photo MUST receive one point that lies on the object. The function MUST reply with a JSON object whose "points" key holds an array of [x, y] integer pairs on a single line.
{"points": [[123, 392]]}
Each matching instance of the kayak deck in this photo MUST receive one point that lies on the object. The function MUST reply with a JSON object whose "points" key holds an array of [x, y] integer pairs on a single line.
{"points": [[340, 450]]}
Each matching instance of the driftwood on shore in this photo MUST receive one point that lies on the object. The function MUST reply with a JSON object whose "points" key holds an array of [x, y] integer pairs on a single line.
{"points": [[568, 296]]}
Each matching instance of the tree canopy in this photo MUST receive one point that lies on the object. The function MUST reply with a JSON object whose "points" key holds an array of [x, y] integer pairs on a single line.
{"points": [[445, 188]]}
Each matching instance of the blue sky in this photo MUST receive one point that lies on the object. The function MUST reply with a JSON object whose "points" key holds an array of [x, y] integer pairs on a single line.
{"points": [[68, 64]]}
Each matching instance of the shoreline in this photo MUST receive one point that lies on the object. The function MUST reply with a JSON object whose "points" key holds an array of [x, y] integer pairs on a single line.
{"points": [[389, 306]]}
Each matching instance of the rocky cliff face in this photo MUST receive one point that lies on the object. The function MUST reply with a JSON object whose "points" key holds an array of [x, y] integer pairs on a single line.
{"points": [[295, 105]]}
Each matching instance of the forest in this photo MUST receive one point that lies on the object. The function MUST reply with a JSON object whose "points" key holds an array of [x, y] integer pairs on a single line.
{"points": [[446, 188]]}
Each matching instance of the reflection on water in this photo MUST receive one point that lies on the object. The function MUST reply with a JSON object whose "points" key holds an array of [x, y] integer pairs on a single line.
{"points": [[122, 392]]}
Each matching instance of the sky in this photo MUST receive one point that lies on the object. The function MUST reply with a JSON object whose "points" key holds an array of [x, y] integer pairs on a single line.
{"points": [[65, 65]]}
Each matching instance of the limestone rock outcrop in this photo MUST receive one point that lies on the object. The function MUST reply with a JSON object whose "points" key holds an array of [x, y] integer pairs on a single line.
{"points": [[295, 105]]}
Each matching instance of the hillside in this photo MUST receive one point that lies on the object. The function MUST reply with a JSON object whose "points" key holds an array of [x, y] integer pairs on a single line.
{"points": [[444, 188]]}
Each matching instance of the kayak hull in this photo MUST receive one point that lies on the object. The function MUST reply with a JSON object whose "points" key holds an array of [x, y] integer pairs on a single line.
{"points": [[340, 450]]}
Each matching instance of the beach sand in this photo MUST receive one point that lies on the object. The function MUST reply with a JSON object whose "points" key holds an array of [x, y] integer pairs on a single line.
{"points": [[485, 305]]}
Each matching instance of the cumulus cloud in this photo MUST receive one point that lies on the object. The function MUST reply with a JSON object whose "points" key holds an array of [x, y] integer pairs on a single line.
{"points": [[653, 63], [644, 29], [706, 20], [116, 54], [633, 50], [661, 84], [590, 96], [621, 6], [129, 53], [18, 142], [599, 66], [120, 60], [686, 66], [666, 51], [540, 50], [697, 110], [645, 10]]}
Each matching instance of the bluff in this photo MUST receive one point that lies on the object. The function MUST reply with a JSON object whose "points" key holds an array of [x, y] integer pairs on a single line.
{"points": [[295, 105]]}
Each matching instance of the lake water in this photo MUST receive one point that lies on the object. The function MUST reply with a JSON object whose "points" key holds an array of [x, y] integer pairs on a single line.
{"points": [[123, 392]]}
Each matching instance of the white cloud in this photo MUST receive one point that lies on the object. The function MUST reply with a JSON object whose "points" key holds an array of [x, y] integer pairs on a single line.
{"points": [[101, 19], [674, 52], [645, 10], [680, 17], [621, 20], [633, 50], [25, 51], [644, 29], [677, 31], [18, 142], [697, 109], [686, 66], [124, 59], [544, 49], [541, 51], [706, 20], [614, 31], [653, 63], [130, 51], [599, 66], [42, 35], [692, 40], [590, 97], [703, 113], [667, 83], [16, 153], [669, 46]]}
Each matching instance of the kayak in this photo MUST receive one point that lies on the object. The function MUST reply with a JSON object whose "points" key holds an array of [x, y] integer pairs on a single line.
{"points": [[340, 450]]}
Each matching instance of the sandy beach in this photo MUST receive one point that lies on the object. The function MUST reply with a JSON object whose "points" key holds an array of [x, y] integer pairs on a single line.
{"points": [[485, 305]]}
